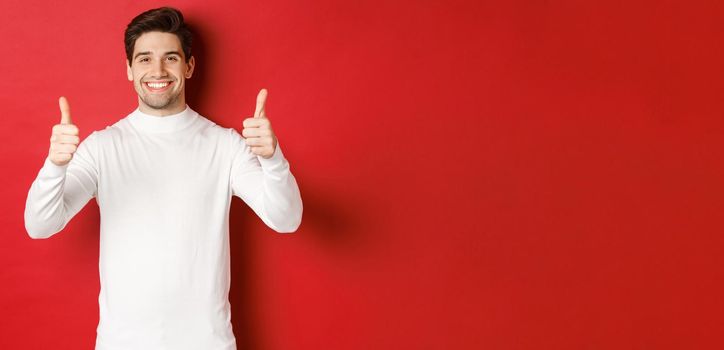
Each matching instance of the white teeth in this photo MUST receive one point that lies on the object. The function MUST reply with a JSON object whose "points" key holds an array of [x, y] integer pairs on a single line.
{"points": [[157, 85]]}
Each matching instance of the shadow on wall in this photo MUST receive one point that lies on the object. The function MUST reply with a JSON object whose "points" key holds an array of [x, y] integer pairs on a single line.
{"points": [[332, 218], [197, 86], [329, 221], [243, 314]]}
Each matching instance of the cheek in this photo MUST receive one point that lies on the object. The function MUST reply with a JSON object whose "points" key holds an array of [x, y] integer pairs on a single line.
{"points": [[137, 84]]}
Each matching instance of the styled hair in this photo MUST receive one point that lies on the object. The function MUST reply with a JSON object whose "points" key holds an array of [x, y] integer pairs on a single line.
{"points": [[163, 19]]}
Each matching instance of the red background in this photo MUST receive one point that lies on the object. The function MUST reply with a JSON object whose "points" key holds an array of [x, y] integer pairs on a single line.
{"points": [[499, 175]]}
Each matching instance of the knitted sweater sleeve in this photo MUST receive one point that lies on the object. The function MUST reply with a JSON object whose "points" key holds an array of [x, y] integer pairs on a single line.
{"points": [[266, 185], [59, 192]]}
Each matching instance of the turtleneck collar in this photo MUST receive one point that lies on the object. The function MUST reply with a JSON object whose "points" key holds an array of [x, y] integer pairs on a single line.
{"points": [[156, 124]]}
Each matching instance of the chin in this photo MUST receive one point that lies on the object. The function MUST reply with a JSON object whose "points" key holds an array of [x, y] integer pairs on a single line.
{"points": [[160, 104]]}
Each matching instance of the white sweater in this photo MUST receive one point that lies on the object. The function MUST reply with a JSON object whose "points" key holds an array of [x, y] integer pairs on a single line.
{"points": [[164, 187]]}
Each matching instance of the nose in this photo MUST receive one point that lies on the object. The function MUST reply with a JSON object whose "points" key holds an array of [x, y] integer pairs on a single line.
{"points": [[157, 69]]}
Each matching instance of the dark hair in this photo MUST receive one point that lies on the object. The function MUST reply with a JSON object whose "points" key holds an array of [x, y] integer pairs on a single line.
{"points": [[163, 19]]}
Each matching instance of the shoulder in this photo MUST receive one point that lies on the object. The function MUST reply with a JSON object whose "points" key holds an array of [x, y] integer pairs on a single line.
{"points": [[111, 131], [216, 131]]}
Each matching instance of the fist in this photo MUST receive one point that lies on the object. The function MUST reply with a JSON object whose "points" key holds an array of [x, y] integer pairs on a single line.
{"points": [[64, 139], [257, 131]]}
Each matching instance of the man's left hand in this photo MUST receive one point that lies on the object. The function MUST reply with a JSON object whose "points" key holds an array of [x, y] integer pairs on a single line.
{"points": [[257, 130]]}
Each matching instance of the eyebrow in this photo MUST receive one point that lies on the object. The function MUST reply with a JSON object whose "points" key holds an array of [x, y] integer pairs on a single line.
{"points": [[149, 52]]}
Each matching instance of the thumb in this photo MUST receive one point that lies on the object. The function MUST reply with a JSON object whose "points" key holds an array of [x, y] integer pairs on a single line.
{"points": [[64, 111], [260, 102]]}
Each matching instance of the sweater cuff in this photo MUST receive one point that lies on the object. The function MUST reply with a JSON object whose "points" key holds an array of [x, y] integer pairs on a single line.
{"points": [[49, 169], [276, 159]]}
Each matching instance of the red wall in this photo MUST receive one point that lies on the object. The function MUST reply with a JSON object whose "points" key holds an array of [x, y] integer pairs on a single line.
{"points": [[475, 175]]}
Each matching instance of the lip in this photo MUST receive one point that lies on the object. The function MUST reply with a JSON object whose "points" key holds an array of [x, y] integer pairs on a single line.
{"points": [[170, 83]]}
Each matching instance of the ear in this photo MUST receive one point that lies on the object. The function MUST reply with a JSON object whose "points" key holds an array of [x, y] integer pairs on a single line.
{"points": [[129, 72], [190, 67]]}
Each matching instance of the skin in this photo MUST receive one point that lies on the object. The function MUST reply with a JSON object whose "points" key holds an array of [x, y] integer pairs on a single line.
{"points": [[257, 132], [159, 57], [64, 139]]}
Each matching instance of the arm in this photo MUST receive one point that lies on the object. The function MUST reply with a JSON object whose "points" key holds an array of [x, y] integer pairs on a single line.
{"points": [[65, 183], [267, 186]]}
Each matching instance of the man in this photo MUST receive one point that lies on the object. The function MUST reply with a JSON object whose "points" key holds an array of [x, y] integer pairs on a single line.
{"points": [[163, 178]]}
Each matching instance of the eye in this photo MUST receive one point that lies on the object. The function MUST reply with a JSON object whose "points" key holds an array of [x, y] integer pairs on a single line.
{"points": [[144, 59], [173, 58]]}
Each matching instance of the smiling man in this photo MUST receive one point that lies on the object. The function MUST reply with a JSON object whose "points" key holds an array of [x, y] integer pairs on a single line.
{"points": [[163, 178], [158, 69]]}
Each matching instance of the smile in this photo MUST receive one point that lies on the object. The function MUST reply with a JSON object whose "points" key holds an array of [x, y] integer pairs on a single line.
{"points": [[158, 86]]}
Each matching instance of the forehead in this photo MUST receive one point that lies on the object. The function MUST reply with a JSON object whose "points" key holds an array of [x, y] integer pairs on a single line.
{"points": [[157, 43]]}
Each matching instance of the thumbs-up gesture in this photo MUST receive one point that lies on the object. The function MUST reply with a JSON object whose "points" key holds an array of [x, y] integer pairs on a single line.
{"points": [[257, 130], [64, 140]]}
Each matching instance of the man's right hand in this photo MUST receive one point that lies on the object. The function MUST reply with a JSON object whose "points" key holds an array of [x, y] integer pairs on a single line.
{"points": [[64, 140]]}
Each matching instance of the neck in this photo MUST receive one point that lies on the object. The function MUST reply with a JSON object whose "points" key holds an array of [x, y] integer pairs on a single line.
{"points": [[149, 123], [177, 107]]}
